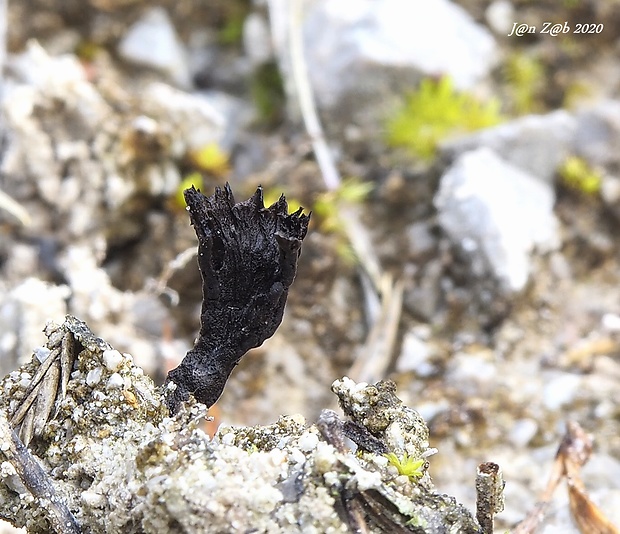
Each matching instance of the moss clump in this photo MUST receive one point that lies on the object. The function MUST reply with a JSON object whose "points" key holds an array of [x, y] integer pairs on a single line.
{"points": [[267, 90], [435, 111], [576, 174], [406, 465], [328, 213], [524, 75], [211, 158]]}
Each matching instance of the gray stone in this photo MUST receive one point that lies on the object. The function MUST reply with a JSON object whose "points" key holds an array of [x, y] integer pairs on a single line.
{"points": [[500, 16], [560, 389], [421, 241], [415, 356], [363, 47], [153, 42], [536, 144], [257, 39], [598, 134], [498, 214], [423, 299]]}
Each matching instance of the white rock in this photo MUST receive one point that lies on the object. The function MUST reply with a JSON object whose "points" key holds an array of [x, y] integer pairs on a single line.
{"points": [[611, 322], [522, 432], [112, 359], [94, 376], [195, 119], [560, 390], [536, 144], [308, 441], [22, 311], [41, 353], [366, 46], [257, 39], [498, 213], [115, 381], [501, 16], [414, 356], [153, 42]]}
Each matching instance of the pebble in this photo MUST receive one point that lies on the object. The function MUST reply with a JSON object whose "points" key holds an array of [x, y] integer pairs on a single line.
{"points": [[94, 376], [499, 214], [560, 390], [522, 432], [41, 353], [112, 359], [115, 381], [414, 356], [152, 41]]}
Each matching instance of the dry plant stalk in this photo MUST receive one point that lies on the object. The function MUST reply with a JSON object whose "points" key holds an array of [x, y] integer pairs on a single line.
{"points": [[573, 453], [490, 495]]}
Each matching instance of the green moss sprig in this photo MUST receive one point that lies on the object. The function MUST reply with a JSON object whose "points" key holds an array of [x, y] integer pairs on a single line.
{"points": [[578, 175], [435, 111], [525, 78], [406, 465]]}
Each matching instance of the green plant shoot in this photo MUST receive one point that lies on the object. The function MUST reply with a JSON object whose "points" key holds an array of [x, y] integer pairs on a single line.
{"points": [[406, 465], [578, 175], [211, 158], [436, 111], [193, 179]]}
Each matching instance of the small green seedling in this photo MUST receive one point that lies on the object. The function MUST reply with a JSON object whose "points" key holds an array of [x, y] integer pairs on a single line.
{"points": [[194, 179], [410, 467]]}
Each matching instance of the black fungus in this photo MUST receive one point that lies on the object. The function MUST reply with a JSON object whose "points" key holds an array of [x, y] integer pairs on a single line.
{"points": [[247, 256]]}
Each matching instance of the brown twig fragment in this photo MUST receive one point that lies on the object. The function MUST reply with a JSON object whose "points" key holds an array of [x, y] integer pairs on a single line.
{"points": [[490, 495], [573, 453]]}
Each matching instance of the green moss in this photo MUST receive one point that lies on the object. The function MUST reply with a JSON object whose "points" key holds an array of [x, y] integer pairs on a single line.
{"points": [[525, 77], [210, 158], [326, 206], [232, 16], [435, 111], [408, 466], [194, 179], [267, 92], [578, 175]]}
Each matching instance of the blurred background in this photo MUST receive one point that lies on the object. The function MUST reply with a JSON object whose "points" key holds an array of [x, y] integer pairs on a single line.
{"points": [[462, 163]]}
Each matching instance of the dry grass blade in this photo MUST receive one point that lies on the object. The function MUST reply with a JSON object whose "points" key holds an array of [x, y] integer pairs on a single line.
{"points": [[572, 455], [372, 364], [33, 389], [36, 480], [48, 386], [14, 208], [356, 233], [575, 451]]}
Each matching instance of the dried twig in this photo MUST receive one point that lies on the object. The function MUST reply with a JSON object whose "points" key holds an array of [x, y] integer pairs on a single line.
{"points": [[490, 495], [372, 364], [572, 455], [160, 285], [324, 158], [7, 203], [35, 480], [48, 386], [380, 294]]}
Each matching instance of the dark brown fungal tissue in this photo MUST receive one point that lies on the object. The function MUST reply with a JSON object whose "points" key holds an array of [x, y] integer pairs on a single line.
{"points": [[247, 256]]}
